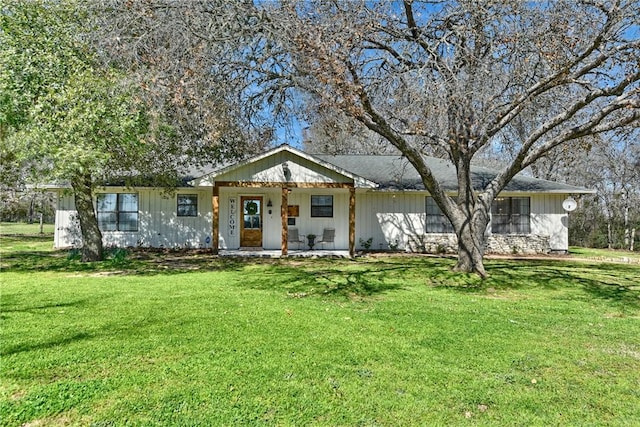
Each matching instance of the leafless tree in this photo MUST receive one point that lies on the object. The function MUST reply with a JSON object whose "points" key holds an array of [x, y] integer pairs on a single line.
{"points": [[613, 170], [451, 76], [169, 49], [332, 132]]}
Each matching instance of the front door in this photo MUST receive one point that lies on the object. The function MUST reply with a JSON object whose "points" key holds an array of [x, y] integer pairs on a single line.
{"points": [[251, 228]]}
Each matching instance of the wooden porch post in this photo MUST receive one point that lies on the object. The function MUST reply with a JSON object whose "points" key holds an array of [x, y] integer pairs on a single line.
{"points": [[284, 214], [352, 221], [215, 203]]}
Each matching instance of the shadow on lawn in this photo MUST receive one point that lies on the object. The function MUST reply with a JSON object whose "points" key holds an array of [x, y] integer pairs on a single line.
{"points": [[296, 278], [9, 305], [51, 343], [618, 284], [615, 283], [348, 279], [134, 329], [134, 263]]}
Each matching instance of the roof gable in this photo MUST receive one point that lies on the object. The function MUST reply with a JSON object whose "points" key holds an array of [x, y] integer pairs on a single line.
{"points": [[283, 164]]}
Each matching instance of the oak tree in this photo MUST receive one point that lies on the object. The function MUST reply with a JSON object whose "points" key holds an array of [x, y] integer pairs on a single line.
{"points": [[67, 117], [76, 108], [454, 78]]}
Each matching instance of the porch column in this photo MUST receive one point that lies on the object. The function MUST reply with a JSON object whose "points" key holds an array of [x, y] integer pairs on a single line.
{"points": [[352, 221], [215, 231], [284, 214]]}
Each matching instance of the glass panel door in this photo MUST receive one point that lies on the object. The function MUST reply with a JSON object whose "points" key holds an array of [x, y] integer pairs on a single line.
{"points": [[251, 230]]}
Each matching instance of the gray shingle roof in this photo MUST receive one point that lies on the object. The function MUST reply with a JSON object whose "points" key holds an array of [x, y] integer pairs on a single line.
{"points": [[396, 173]]}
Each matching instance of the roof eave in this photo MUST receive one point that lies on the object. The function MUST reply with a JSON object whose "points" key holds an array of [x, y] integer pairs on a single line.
{"points": [[389, 189]]}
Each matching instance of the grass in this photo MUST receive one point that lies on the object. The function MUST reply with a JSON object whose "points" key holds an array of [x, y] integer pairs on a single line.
{"points": [[188, 339], [24, 228], [608, 254]]}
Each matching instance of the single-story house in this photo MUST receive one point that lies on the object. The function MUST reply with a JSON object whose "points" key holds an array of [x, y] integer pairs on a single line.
{"points": [[363, 201]]}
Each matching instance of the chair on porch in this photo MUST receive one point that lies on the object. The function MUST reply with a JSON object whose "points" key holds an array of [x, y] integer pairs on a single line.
{"points": [[294, 237], [328, 236]]}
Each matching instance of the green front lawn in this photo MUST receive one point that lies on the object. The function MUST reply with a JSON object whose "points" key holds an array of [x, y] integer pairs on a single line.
{"points": [[171, 339]]}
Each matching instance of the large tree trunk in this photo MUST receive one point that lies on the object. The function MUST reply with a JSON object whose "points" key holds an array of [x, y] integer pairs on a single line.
{"points": [[470, 254], [471, 244], [91, 236], [470, 220]]}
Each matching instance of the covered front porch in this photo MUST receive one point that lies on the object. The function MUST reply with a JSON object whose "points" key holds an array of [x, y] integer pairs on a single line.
{"points": [[264, 217], [258, 205]]}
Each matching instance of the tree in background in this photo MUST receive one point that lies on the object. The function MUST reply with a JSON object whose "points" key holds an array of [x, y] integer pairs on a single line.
{"points": [[73, 110], [66, 117], [169, 49], [611, 217], [451, 77]]}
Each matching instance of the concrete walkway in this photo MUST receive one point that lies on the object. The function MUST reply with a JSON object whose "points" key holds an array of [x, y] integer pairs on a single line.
{"points": [[261, 253]]}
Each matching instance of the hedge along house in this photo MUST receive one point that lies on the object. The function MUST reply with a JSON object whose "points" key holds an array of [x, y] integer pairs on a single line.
{"points": [[378, 202]]}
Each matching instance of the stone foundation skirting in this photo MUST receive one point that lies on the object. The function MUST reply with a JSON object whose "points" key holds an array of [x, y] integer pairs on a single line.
{"points": [[496, 243]]}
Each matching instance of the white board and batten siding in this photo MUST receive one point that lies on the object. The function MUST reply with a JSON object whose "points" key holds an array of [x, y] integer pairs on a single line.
{"points": [[67, 228], [159, 225], [272, 222], [388, 218], [230, 213], [550, 219], [271, 170], [396, 218]]}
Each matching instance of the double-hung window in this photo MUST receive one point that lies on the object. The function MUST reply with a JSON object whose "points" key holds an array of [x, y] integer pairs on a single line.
{"points": [[511, 215], [187, 205], [437, 222], [117, 211], [322, 206]]}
